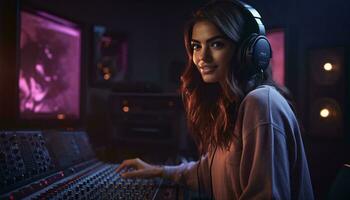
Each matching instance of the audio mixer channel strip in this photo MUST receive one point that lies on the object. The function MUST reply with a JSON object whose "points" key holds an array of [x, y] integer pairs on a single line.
{"points": [[62, 165]]}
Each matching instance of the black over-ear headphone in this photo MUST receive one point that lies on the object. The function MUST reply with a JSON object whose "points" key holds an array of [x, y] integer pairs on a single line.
{"points": [[254, 52]]}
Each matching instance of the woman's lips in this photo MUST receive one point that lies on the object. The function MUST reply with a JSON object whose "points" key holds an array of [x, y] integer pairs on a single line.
{"points": [[207, 69]]}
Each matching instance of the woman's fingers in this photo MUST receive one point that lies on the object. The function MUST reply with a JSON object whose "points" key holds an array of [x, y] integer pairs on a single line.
{"points": [[142, 173], [142, 169], [135, 163], [125, 164], [120, 167], [134, 174]]}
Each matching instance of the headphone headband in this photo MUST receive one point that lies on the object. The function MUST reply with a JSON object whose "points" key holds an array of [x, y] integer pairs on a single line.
{"points": [[254, 14], [255, 51], [248, 10]]}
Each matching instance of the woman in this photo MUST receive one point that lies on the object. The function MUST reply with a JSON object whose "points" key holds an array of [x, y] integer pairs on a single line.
{"points": [[246, 131]]}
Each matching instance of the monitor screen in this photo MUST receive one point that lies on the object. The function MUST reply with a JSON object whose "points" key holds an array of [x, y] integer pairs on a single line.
{"points": [[276, 38], [49, 67]]}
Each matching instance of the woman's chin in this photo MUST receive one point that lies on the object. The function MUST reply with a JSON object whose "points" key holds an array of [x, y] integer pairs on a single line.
{"points": [[209, 79]]}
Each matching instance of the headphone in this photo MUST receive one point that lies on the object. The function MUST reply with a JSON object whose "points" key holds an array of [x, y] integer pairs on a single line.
{"points": [[254, 52]]}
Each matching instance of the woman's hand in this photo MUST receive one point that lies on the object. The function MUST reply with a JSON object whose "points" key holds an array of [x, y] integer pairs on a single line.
{"points": [[142, 169]]}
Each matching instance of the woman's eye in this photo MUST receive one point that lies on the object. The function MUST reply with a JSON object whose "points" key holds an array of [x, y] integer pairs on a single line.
{"points": [[195, 46], [217, 44]]}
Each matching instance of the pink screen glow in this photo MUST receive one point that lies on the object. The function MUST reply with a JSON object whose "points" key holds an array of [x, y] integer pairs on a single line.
{"points": [[276, 38], [49, 77]]}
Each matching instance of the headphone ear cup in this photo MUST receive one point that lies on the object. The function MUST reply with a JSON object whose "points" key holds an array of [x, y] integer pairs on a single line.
{"points": [[254, 54], [260, 53], [243, 58]]}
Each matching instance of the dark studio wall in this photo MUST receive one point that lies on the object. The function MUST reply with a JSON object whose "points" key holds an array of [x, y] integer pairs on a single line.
{"points": [[7, 63], [153, 29], [154, 32]]}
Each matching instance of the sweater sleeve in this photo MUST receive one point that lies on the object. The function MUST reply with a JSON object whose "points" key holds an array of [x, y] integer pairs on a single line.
{"points": [[264, 167], [186, 174]]}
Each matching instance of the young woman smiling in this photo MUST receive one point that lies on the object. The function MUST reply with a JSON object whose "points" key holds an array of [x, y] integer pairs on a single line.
{"points": [[243, 123]]}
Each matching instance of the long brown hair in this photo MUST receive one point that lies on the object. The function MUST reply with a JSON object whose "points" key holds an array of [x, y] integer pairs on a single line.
{"points": [[211, 108]]}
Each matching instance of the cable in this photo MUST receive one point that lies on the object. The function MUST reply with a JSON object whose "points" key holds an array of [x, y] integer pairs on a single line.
{"points": [[198, 181]]}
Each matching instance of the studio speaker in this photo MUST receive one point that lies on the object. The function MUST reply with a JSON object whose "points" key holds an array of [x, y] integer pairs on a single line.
{"points": [[327, 92]]}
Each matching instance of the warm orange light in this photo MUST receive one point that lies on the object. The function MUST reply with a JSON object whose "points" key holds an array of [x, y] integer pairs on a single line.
{"points": [[324, 113], [328, 66], [105, 70], [126, 108], [107, 76], [61, 116]]}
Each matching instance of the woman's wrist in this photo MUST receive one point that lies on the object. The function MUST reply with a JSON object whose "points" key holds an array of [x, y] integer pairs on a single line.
{"points": [[161, 171]]}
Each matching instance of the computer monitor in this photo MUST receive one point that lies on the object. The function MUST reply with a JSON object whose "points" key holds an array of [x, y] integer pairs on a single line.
{"points": [[49, 77]]}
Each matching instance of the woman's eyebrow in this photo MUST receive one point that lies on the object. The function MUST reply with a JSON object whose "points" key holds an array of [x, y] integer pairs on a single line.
{"points": [[210, 39]]}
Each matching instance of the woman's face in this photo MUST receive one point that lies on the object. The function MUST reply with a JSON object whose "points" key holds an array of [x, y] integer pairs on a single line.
{"points": [[212, 52]]}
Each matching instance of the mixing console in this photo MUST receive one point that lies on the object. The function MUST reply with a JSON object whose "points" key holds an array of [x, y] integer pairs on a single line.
{"points": [[61, 165], [100, 182], [22, 157]]}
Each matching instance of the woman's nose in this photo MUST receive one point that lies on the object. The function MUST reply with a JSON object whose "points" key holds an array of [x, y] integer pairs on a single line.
{"points": [[205, 55]]}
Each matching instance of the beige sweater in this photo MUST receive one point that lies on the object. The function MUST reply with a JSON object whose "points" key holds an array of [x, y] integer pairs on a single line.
{"points": [[265, 161]]}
